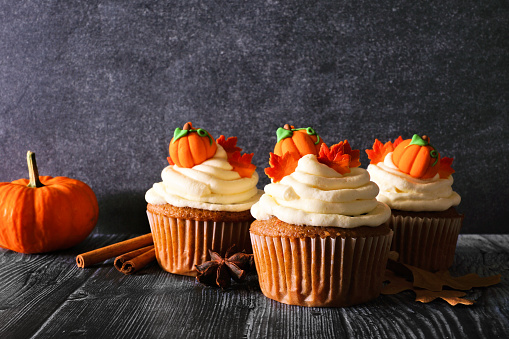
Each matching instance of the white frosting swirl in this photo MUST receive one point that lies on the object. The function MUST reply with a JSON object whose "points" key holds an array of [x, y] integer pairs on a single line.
{"points": [[402, 192], [212, 185], [317, 195]]}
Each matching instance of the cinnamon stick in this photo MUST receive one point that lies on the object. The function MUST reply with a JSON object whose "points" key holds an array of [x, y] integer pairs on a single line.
{"points": [[138, 262], [121, 260], [101, 254]]}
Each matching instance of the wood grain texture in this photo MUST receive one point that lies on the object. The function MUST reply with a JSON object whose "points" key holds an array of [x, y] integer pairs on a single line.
{"points": [[47, 296]]}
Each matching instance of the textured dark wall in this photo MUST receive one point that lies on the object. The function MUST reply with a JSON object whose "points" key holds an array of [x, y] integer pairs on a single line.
{"points": [[96, 88]]}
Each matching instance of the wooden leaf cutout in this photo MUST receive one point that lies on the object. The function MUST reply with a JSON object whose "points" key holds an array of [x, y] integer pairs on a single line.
{"points": [[394, 256], [452, 297], [436, 281], [429, 286], [396, 284], [467, 282]]}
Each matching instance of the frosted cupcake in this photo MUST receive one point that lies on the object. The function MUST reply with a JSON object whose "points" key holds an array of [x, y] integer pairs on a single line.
{"points": [[203, 201], [320, 237], [416, 182]]}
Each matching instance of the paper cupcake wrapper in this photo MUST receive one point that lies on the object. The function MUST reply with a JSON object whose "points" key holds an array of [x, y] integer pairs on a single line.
{"points": [[330, 272], [181, 244], [427, 243]]}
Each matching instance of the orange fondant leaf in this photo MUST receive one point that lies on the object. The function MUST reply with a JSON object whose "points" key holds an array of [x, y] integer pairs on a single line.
{"points": [[379, 151], [397, 142], [281, 166], [445, 169], [377, 154], [354, 154], [334, 159], [339, 157], [242, 163], [229, 145]]}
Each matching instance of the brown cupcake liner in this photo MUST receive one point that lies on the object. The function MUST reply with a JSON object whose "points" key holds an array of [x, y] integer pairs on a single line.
{"points": [[328, 272], [427, 243], [181, 244]]}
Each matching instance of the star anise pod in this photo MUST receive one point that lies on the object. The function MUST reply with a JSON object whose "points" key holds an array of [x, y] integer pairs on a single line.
{"points": [[219, 271]]}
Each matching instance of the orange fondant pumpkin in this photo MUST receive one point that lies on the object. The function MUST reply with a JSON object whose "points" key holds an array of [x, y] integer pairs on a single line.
{"points": [[301, 140], [417, 158], [190, 147], [45, 214]]}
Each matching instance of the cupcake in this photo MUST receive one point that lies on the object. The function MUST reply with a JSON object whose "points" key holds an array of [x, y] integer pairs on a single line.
{"points": [[320, 237], [203, 202], [415, 181]]}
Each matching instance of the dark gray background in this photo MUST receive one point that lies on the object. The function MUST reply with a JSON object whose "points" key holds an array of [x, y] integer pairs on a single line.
{"points": [[96, 88]]}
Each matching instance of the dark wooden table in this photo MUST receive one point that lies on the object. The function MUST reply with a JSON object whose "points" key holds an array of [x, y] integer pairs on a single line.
{"points": [[48, 296]]}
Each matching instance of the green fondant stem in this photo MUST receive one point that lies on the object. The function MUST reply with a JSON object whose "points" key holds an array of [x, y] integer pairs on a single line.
{"points": [[283, 134], [417, 140], [179, 133]]}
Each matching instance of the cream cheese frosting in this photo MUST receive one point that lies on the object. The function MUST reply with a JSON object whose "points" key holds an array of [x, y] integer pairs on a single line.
{"points": [[402, 192], [317, 195], [212, 185]]}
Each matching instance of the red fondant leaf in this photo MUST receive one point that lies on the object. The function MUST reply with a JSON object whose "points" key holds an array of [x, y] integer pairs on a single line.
{"points": [[242, 163], [379, 151], [170, 161], [339, 157], [229, 145], [282, 166], [445, 169]]}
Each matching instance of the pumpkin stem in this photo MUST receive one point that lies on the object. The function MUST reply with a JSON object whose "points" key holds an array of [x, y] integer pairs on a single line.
{"points": [[288, 127], [425, 138], [33, 172], [188, 126]]}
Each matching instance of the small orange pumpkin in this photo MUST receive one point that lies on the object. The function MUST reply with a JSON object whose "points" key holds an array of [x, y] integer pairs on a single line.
{"points": [[298, 140], [190, 147], [45, 214], [417, 158]]}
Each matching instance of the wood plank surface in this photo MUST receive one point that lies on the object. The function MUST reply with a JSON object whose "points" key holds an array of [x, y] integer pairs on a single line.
{"points": [[47, 296]]}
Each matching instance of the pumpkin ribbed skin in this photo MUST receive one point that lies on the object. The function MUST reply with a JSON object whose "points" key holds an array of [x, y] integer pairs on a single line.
{"points": [[415, 160], [301, 142], [192, 149], [59, 215]]}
